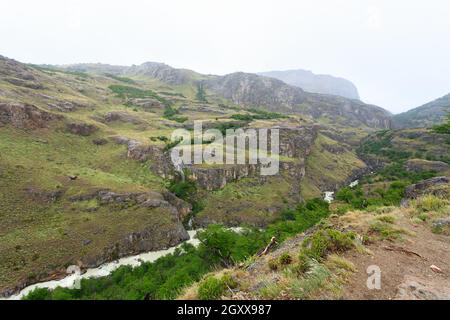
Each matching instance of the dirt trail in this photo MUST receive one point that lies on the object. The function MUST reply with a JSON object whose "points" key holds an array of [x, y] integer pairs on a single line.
{"points": [[405, 268]]}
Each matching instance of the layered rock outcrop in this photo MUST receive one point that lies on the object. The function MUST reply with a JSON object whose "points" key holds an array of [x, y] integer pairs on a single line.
{"points": [[437, 186], [294, 143], [25, 116], [178, 208]]}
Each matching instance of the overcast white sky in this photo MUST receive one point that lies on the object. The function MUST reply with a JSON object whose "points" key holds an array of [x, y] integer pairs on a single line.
{"points": [[397, 52]]}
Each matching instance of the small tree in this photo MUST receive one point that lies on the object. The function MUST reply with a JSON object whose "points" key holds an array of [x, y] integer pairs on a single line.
{"points": [[201, 94], [443, 128]]}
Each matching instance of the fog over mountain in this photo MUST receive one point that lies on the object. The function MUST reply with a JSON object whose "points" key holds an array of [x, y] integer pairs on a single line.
{"points": [[317, 83], [394, 64]]}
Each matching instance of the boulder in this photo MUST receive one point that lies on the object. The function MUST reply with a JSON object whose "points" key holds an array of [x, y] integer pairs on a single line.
{"points": [[64, 105], [100, 141], [25, 116], [436, 186], [43, 196], [81, 129], [147, 103], [121, 116]]}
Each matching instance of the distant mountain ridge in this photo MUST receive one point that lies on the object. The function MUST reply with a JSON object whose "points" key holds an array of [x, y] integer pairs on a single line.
{"points": [[316, 83], [250, 90], [427, 115]]}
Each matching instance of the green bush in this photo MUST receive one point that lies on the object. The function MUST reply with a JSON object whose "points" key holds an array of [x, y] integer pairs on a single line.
{"points": [[386, 219], [345, 194], [326, 241], [443, 128], [133, 92], [211, 289], [285, 259], [304, 263], [38, 294], [201, 94], [429, 203], [122, 79], [225, 247], [229, 281], [273, 264], [386, 230], [183, 189]]}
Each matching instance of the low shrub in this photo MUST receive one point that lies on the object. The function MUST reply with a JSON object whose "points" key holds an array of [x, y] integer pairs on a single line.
{"points": [[429, 203], [304, 263], [229, 281], [285, 259], [327, 241], [386, 218], [386, 230], [211, 288], [273, 264]]}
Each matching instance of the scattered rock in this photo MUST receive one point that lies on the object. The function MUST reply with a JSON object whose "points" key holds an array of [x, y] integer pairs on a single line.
{"points": [[120, 139], [183, 207], [65, 106], [81, 129], [100, 141], [44, 196], [146, 103], [414, 288], [435, 269], [441, 224], [122, 116]]}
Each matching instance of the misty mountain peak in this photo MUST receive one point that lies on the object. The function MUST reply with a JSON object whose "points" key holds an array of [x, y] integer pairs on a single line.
{"points": [[316, 83]]}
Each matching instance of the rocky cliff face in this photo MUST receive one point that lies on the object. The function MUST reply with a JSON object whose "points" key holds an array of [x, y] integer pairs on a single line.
{"points": [[294, 143], [316, 83], [161, 72], [352, 113], [253, 91]]}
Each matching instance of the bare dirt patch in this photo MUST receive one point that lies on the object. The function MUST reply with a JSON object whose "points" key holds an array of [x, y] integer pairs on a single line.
{"points": [[405, 268]]}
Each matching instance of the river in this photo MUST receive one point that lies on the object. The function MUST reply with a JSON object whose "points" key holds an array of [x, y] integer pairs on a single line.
{"points": [[104, 269]]}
